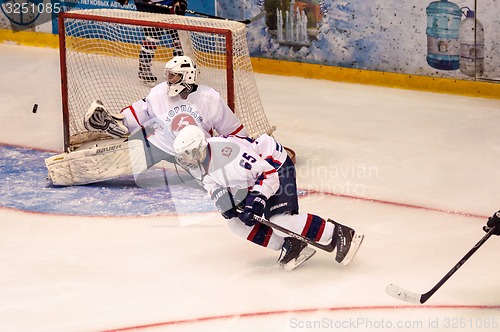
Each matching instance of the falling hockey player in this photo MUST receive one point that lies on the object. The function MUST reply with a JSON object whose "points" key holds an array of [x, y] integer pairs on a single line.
{"points": [[248, 178]]}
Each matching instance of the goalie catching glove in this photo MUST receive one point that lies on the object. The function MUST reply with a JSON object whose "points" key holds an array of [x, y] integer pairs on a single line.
{"points": [[99, 119]]}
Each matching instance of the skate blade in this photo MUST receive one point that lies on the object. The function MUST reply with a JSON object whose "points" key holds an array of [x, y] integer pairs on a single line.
{"points": [[290, 266], [355, 244]]}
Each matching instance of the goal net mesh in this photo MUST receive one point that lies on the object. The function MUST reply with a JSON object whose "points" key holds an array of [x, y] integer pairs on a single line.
{"points": [[100, 52]]}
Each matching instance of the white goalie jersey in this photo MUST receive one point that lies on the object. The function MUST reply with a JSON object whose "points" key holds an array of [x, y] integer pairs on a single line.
{"points": [[242, 163], [166, 116]]}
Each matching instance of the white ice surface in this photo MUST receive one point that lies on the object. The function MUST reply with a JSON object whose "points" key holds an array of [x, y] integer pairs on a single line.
{"points": [[425, 169]]}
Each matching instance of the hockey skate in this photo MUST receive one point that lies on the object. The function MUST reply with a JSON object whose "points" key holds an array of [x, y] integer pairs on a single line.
{"points": [[347, 242], [145, 74], [294, 253]]}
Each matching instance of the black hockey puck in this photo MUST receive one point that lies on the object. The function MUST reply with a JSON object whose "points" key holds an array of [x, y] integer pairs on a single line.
{"points": [[35, 107]]}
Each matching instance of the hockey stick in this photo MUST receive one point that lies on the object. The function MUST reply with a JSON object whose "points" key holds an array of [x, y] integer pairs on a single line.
{"points": [[404, 295], [326, 247]]}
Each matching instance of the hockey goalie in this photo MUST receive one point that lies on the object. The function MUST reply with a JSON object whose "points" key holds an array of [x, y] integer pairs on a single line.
{"points": [[143, 133]]}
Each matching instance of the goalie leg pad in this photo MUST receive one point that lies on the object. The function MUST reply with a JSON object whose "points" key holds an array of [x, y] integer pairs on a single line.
{"points": [[104, 161]]}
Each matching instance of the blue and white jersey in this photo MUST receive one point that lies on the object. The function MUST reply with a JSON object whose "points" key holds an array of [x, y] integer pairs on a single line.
{"points": [[241, 163]]}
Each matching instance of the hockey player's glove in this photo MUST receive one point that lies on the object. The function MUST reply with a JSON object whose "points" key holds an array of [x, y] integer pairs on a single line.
{"points": [[179, 7], [493, 221], [255, 204], [225, 203]]}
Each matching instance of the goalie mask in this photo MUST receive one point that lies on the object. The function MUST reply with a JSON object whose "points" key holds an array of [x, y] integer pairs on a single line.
{"points": [[190, 147], [180, 74]]}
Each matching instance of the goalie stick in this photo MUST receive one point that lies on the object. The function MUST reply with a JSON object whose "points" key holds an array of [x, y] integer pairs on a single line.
{"points": [[404, 295]]}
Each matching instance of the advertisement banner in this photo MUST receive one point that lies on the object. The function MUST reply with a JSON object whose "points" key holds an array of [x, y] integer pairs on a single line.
{"points": [[445, 38]]}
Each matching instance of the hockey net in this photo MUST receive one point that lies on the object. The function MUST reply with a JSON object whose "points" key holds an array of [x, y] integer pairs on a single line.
{"points": [[99, 55]]}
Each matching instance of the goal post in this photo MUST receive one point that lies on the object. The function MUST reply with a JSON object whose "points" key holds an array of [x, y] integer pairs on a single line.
{"points": [[100, 52]]}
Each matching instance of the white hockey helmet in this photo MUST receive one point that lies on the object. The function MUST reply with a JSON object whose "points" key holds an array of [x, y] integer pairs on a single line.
{"points": [[190, 146], [180, 74]]}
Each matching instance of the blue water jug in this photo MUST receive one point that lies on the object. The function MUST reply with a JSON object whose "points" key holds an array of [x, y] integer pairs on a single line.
{"points": [[443, 24]]}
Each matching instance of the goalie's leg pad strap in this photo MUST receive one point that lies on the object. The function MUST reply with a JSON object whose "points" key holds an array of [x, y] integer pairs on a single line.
{"points": [[99, 163]]}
